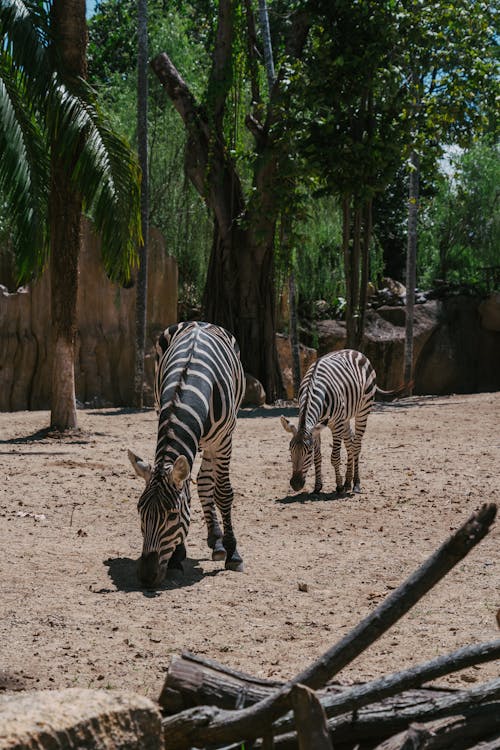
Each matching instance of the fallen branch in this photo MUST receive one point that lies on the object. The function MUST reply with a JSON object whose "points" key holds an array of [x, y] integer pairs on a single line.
{"points": [[204, 725], [379, 722], [455, 733], [310, 719]]}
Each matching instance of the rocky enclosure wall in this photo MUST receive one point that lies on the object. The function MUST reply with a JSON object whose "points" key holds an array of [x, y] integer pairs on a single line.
{"points": [[104, 360]]}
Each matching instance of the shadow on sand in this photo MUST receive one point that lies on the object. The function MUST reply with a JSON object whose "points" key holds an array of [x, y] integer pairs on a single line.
{"points": [[123, 573]]}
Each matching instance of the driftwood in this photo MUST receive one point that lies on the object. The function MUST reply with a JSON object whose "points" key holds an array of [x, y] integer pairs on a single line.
{"points": [[310, 719], [204, 725]]}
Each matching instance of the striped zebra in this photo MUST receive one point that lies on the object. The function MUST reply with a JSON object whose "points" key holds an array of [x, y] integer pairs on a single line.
{"points": [[338, 387], [199, 385]]}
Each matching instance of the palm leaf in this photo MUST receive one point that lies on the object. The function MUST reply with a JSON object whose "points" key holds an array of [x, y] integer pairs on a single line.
{"points": [[101, 164], [24, 171]]}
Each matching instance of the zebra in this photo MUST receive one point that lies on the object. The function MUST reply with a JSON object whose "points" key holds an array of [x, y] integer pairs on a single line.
{"points": [[199, 385], [338, 387]]}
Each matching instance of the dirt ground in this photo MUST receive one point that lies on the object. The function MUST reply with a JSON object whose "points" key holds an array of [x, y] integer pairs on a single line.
{"points": [[72, 613]]}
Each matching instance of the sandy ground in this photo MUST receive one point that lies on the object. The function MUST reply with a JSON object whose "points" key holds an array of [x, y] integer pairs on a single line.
{"points": [[72, 613]]}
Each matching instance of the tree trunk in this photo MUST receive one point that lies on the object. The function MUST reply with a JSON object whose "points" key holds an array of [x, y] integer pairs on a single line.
{"points": [[70, 32], [142, 142], [266, 42], [411, 267]]}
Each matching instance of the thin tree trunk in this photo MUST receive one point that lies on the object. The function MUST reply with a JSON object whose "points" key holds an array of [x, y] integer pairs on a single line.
{"points": [[142, 142], [411, 268], [70, 33], [294, 334], [365, 270], [266, 41], [346, 249]]}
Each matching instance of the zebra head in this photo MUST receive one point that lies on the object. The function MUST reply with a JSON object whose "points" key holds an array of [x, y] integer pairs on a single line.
{"points": [[164, 511], [301, 452]]}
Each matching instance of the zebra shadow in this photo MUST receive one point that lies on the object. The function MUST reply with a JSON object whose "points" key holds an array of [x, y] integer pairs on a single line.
{"points": [[313, 497], [123, 573]]}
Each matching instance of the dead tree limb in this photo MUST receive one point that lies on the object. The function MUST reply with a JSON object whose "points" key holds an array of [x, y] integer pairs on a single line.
{"points": [[384, 687], [480, 703], [195, 681], [455, 733], [202, 726]]}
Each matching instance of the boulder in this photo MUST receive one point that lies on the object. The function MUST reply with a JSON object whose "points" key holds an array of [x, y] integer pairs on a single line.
{"points": [[489, 312], [255, 394], [79, 718], [307, 356]]}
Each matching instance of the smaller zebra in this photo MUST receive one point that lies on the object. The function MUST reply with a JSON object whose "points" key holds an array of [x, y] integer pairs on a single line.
{"points": [[199, 386], [338, 387]]}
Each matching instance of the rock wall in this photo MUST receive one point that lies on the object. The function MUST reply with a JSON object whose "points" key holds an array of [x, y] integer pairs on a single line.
{"points": [[104, 357], [79, 718], [456, 346]]}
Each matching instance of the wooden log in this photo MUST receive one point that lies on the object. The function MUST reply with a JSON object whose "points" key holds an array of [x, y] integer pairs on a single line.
{"points": [[192, 680], [310, 719], [361, 695], [185, 729], [455, 733], [379, 722]]}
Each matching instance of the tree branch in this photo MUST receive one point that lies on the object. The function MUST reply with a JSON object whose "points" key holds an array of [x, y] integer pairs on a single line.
{"points": [[211, 725]]}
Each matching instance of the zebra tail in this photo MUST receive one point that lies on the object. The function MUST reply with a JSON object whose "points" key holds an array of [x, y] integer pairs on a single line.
{"points": [[395, 392]]}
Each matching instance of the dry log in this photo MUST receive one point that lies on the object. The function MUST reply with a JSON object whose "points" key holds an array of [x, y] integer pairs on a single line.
{"points": [[379, 722], [310, 719], [194, 680], [455, 733], [202, 726], [362, 695]]}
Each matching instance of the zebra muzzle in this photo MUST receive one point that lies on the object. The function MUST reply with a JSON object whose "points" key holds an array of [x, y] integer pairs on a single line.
{"points": [[149, 570], [297, 481]]}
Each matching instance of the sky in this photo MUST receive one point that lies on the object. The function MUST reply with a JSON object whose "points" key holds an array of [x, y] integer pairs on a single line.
{"points": [[90, 7]]}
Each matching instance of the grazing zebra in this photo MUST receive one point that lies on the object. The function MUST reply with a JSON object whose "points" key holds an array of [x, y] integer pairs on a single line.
{"points": [[336, 388], [199, 385]]}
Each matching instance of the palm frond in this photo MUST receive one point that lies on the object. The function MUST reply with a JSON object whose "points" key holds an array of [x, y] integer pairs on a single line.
{"points": [[24, 170]]}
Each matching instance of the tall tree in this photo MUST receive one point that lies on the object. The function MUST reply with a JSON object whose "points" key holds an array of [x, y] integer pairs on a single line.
{"points": [[69, 44], [452, 71], [142, 143], [239, 292], [46, 106]]}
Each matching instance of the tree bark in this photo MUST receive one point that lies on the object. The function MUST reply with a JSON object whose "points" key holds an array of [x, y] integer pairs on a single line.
{"points": [[208, 725], [239, 292], [142, 142], [411, 267], [65, 205]]}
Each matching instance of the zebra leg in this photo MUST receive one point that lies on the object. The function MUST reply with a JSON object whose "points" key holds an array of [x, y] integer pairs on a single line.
{"points": [[224, 500], [177, 558], [359, 431], [337, 442], [318, 481], [205, 482], [349, 444]]}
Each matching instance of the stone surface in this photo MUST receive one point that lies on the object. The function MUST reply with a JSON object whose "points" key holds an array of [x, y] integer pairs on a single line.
{"points": [[255, 394], [307, 356], [489, 311], [104, 357], [453, 350], [78, 718]]}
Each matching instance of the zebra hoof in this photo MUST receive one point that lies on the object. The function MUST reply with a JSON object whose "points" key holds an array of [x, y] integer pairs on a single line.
{"points": [[218, 551], [218, 554], [317, 489], [236, 565], [340, 489], [357, 489]]}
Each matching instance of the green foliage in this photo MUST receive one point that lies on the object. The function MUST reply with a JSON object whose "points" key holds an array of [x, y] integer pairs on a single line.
{"points": [[460, 234], [175, 207], [43, 109]]}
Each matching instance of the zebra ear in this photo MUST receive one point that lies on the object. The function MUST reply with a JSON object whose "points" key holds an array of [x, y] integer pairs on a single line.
{"points": [[180, 471], [287, 425], [141, 468]]}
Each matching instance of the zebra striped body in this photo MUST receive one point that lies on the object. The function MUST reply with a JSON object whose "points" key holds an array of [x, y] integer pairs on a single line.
{"points": [[199, 385], [338, 387]]}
